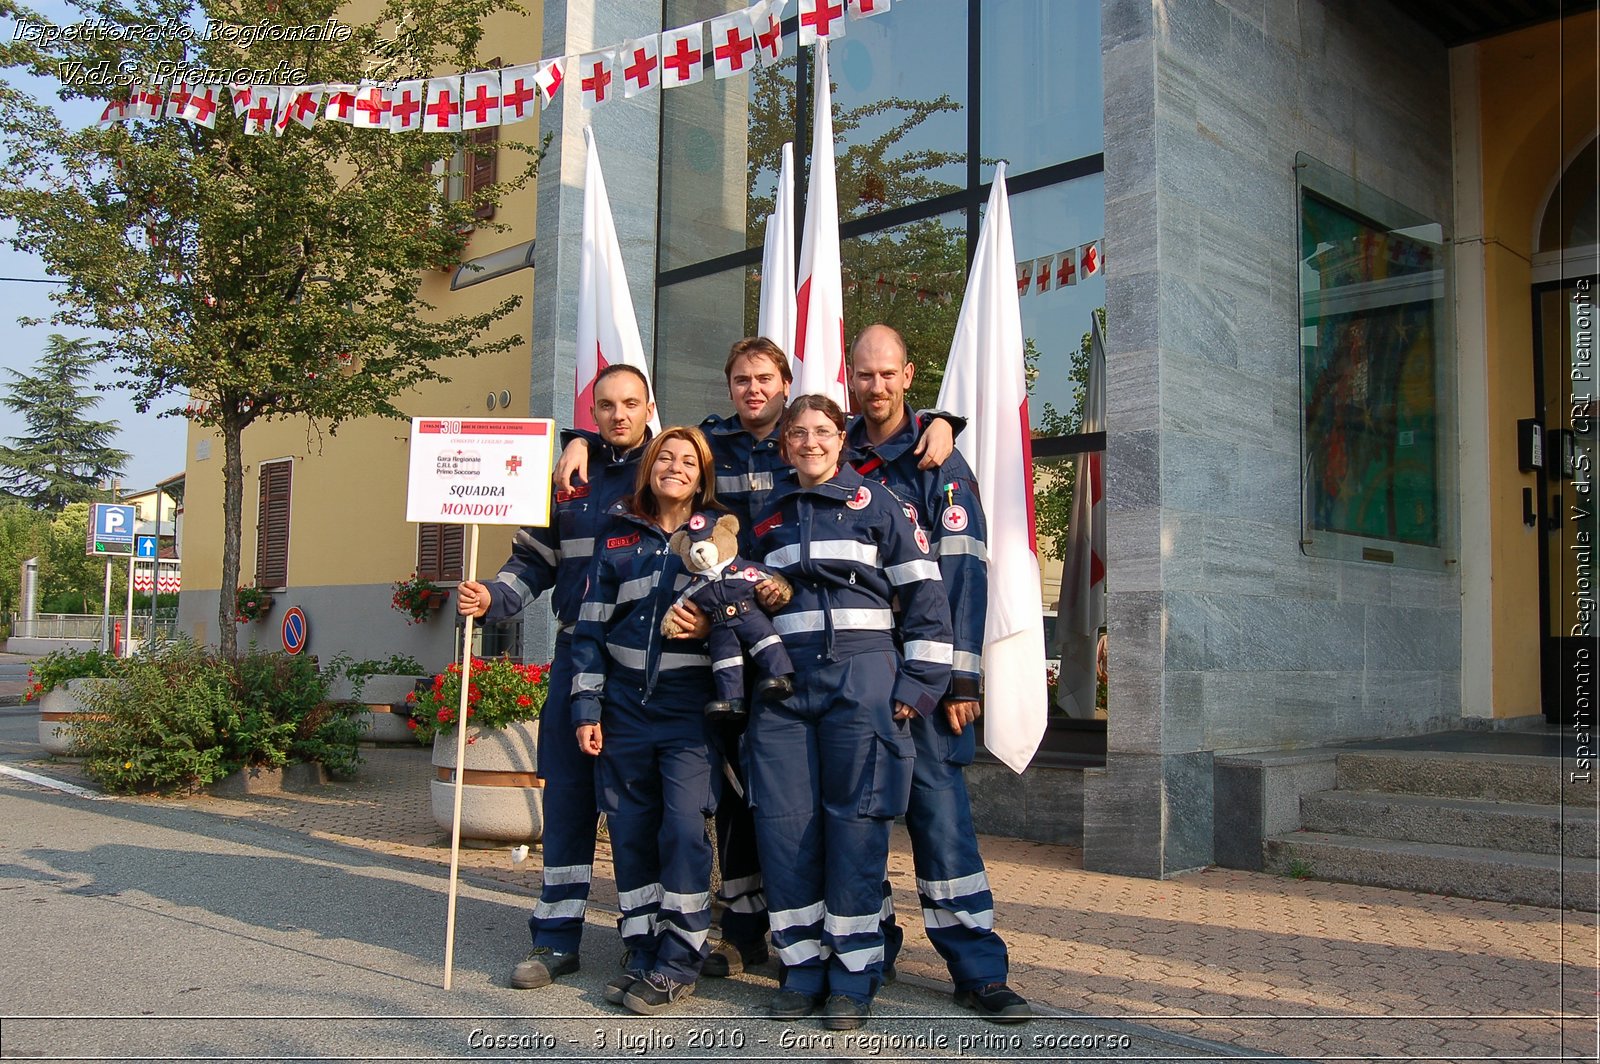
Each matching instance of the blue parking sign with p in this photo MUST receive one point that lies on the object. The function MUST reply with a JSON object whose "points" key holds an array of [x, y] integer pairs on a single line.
{"points": [[111, 529]]}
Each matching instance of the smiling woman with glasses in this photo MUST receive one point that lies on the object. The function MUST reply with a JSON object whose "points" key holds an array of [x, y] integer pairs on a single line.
{"points": [[830, 768]]}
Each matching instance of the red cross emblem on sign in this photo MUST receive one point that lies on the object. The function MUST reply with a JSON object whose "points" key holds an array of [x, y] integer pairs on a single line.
{"points": [[405, 108], [513, 464], [517, 96], [734, 47], [443, 110], [644, 65], [682, 59], [821, 17], [479, 105], [596, 83]]}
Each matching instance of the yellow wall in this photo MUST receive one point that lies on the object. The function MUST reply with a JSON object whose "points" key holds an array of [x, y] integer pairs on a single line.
{"points": [[1537, 92], [347, 512]]}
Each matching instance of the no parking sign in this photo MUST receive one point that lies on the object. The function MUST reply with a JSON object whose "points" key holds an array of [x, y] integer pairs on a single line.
{"points": [[295, 630]]}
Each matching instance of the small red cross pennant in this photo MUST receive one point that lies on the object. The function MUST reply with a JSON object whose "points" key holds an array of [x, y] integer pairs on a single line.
{"points": [[405, 106], [596, 71], [1041, 273], [682, 53], [341, 105], [299, 104], [1067, 268], [201, 106], [868, 8], [1024, 277], [262, 110], [116, 111], [480, 99], [372, 106], [239, 94], [641, 65], [548, 81], [176, 98], [820, 20], [442, 113], [767, 18], [1090, 261], [733, 44], [517, 93]]}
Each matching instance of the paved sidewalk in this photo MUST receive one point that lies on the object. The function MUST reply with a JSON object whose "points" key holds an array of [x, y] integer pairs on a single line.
{"points": [[1298, 968]]}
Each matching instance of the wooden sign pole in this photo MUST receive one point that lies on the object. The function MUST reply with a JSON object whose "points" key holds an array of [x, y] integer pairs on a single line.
{"points": [[461, 760]]}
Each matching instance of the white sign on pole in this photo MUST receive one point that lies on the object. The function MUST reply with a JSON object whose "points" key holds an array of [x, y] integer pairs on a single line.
{"points": [[488, 472]]}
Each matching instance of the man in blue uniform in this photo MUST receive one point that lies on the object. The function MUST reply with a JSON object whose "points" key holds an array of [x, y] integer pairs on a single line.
{"points": [[957, 908], [558, 559]]}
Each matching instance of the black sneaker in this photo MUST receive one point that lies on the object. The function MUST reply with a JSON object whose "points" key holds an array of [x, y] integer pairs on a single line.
{"points": [[655, 993], [791, 1005], [996, 1003], [540, 966], [730, 958], [618, 988], [845, 1014]]}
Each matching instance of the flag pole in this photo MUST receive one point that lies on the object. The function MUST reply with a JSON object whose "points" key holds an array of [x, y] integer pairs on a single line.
{"points": [[461, 759]]}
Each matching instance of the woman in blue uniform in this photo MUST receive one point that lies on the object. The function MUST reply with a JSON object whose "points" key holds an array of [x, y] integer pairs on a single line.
{"points": [[637, 702], [830, 768]]}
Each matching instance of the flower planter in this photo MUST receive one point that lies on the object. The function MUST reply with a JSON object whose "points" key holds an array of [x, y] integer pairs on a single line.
{"points": [[384, 712], [58, 709], [502, 798], [261, 779]]}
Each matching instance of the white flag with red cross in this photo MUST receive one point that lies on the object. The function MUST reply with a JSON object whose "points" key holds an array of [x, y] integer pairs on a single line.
{"points": [[341, 105], [115, 111], [682, 56], [302, 104], [820, 20], [263, 109], [1024, 277], [608, 332], [405, 106], [517, 93], [177, 96], [480, 99], [552, 72], [1090, 261], [596, 73], [201, 106], [767, 18], [1067, 268], [147, 101], [868, 8], [1082, 609], [238, 95], [641, 65], [442, 112], [733, 44], [819, 302], [985, 382], [1042, 273], [372, 106]]}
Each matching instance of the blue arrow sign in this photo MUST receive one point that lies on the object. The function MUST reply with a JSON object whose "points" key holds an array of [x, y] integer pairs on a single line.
{"points": [[145, 548]]}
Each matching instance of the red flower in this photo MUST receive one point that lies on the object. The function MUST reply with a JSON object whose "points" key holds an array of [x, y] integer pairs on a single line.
{"points": [[444, 716], [524, 700], [412, 724]]}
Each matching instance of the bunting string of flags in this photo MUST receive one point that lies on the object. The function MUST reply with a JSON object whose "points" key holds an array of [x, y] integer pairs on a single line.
{"points": [[1061, 270], [737, 43]]}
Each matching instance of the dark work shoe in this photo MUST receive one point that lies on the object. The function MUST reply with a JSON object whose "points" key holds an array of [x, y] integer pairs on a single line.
{"points": [[889, 973], [791, 1005], [618, 988], [774, 689], [730, 709], [996, 1003], [730, 958], [655, 993], [540, 966], [844, 1014]]}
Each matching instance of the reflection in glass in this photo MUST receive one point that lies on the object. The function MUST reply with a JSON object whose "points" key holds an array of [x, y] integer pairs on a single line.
{"points": [[696, 322], [1041, 83]]}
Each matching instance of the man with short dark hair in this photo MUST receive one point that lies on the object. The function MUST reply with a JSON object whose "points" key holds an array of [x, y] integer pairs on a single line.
{"points": [[957, 907], [558, 559]]}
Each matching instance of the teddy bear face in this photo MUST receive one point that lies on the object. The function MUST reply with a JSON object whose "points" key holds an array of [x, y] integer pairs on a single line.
{"points": [[705, 545]]}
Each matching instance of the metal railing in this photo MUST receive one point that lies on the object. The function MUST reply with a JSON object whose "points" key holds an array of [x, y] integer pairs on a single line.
{"points": [[88, 626]]}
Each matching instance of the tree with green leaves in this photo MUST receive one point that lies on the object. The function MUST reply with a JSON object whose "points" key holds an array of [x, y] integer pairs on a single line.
{"points": [[66, 454], [256, 277], [1053, 481]]}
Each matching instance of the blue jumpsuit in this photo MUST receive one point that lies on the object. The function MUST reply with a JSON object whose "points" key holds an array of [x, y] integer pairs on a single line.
{"points": [[558, 559], [658, 772], [957, 907], [830, 769]]}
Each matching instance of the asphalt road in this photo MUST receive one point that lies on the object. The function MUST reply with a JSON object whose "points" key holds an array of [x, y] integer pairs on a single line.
{"points": [[152, 930]]}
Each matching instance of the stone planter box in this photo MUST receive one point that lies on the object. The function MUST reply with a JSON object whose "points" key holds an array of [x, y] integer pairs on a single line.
{"points": [[502, 798], [57, 710], [383, 720], [258, 779]]}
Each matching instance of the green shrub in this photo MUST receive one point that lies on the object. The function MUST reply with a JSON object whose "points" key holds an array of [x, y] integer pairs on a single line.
{"points": [[59, 666]]}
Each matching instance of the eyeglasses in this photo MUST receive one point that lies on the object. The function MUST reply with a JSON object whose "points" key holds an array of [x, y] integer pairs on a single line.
{"points": [[820, 435]]}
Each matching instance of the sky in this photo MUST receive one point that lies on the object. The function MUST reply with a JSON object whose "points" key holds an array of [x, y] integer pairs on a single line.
{"points": [[155, 444]]}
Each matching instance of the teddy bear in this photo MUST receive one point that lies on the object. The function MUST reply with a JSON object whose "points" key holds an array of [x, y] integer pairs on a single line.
{"points": [[724, 587]]}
